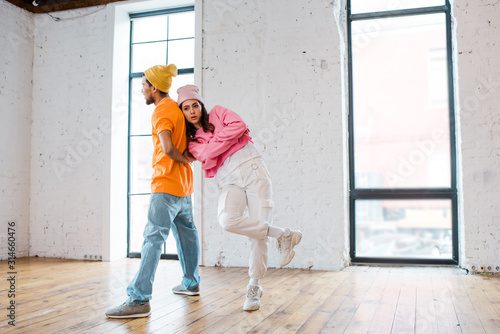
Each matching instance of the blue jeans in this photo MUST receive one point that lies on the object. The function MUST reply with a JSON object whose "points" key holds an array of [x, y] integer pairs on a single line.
{"points": [[166, 211]]}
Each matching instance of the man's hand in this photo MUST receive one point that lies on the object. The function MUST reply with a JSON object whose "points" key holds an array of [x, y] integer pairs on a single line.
{"points": [[169, 148], [189, 156]]}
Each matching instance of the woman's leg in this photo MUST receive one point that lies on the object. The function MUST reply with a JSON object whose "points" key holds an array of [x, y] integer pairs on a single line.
{"points": [[232, 205], [260, 207], [260, 203]]}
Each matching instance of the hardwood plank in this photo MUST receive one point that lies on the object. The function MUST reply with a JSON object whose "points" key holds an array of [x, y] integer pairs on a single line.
{"points": [[95, 296], [218, 319], [238, 320], [167, 303], [425, 317], [168, 322], [341, 319], [67, 296], [365, 312], [279, 310], [491, 288], [445, 312], [321, 318], [484, 309], [466, 314], [298, 318], [384, 314], [404, 317]]}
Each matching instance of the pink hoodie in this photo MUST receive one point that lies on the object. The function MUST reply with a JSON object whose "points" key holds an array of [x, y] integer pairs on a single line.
{"points": [[213, 148]]}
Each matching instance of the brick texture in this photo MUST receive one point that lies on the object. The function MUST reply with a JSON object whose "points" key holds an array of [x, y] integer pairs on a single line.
{"points": [[478, 69], [16, 43], [69, 125]]}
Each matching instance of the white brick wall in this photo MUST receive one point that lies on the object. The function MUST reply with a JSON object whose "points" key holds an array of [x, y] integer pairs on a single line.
{"points": [[16, 45], [69, 124], [277, 64], [478, 50]]}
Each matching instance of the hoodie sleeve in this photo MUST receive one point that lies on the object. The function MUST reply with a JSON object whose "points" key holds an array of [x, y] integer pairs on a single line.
{"points": [[233, 124], [225, 136]]}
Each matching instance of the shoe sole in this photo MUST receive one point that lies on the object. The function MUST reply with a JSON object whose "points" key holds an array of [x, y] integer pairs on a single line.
{"points": [[251, 309], [188, 293], [254, 308], [295, 241], [140, 315]]}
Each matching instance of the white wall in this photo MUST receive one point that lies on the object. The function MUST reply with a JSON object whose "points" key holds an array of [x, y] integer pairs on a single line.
{"points": [[70, 122], [478, 69], [16, 45], [277, 63]]}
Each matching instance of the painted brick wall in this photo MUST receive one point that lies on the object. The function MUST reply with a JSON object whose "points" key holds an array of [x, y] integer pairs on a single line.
{"points": [[69, 125], [277, 64], [16, 45], [478, 50]]}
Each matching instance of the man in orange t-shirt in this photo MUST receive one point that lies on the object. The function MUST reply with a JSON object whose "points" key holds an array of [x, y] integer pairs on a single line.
{"points": [[170, 202]]}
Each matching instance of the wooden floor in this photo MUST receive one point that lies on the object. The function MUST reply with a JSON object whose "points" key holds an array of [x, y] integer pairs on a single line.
{"points": [[63, 296]]}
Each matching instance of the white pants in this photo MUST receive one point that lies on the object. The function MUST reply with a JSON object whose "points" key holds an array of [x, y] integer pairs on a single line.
{"points": [[248, 187]]}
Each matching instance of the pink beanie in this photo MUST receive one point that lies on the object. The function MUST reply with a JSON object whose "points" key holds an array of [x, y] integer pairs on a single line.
{"points": [[189, 92]]}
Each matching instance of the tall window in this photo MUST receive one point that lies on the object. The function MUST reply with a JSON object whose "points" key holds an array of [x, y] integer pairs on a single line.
{"points": [[403, 194], [157, 38]]}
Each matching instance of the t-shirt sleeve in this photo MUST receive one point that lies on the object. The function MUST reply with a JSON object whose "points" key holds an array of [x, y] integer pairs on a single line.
{"points": [[161, 122]]}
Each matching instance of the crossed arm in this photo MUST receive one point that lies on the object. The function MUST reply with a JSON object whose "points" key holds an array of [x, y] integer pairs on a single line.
{"points": [[232, 128], [170, 150]]}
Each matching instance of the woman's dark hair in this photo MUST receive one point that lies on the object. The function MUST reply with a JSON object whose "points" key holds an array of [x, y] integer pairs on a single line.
{"points": [[205, 124]]}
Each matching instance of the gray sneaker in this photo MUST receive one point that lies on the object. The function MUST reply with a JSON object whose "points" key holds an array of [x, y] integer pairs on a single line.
{"points": [[126, 310], [286, 244], [181, 290], [252, 302]]}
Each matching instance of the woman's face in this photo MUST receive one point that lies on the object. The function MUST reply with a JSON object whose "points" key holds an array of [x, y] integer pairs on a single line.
{"points": [[192, 112]]}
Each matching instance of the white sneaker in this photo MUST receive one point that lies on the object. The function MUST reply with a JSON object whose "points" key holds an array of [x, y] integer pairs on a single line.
{"points": [[252, 302], [286, 245]]}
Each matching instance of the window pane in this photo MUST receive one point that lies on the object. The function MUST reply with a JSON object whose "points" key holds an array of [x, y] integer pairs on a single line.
{"points": [[138, 207], [179, 81], [400, 102], [181, 25], [140, 112], [138, 218], [146, 55], [141, 153], [151, 28], [403, 229], [152, 38], [367, 6], [181, 53]]}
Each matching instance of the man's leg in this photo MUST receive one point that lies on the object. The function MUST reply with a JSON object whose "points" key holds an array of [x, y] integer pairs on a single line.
{"points": [[188, 246], [161, 212]]}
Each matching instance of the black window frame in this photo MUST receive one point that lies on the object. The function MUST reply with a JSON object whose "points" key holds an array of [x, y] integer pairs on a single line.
{"points": [[450, 193], [133, 75]]}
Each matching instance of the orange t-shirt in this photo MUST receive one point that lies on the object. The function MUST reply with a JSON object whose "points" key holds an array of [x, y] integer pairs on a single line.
{"points": [[169, 176]]}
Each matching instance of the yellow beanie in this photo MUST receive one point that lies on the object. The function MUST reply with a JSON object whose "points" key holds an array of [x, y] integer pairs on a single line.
{"points": [[160, 76]]}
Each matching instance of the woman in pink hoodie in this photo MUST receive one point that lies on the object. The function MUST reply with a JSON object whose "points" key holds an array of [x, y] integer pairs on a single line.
{"points": [[221, 142]]}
